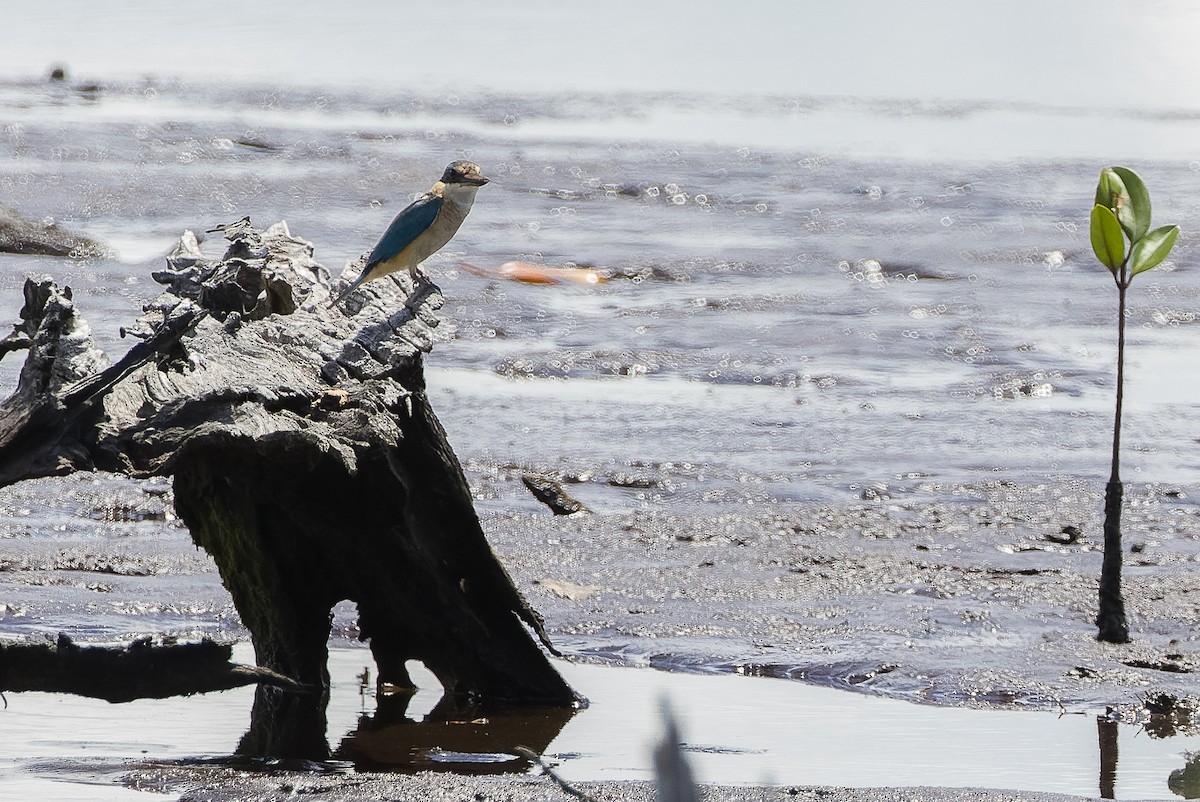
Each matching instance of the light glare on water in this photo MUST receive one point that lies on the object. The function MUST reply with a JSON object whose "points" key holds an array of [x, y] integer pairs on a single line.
{"points": [[737, 731]]}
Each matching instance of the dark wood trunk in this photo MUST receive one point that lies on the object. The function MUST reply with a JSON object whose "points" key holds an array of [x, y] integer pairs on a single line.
{"points": [[306, 460], [142, 670], [1112, 625]]}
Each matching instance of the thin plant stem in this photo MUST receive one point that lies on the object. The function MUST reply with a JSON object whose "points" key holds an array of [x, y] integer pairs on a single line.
{"points": [[1122, 288], [1111, 621]]}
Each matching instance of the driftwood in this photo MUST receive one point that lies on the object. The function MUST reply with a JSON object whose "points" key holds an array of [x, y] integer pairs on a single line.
{"points": [[306, 460], [142, 670], [552, 494], [19, 234]]}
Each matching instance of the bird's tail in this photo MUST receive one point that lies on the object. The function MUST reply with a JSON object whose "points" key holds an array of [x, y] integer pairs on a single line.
{"points": [[353, 286]]}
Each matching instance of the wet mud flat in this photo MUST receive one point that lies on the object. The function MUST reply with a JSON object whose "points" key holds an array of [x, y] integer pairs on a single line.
{"points": [[234, 785], [983, 600], [962, 596]]}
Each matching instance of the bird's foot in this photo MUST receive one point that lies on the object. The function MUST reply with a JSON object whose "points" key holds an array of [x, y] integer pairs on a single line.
{"points": [[422, 287]]}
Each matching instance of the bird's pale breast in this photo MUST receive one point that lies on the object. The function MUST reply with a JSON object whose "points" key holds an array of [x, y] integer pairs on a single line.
{"points": [[447, 223]]}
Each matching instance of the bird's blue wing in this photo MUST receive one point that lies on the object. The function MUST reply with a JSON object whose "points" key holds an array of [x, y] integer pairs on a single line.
{"points": [[415, 218]]}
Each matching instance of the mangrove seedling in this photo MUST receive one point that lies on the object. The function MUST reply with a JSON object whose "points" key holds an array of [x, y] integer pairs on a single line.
{"points": [[1123, 242]]}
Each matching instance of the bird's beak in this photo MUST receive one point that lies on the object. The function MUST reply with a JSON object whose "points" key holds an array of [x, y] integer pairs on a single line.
{"points": [[479, 181]]}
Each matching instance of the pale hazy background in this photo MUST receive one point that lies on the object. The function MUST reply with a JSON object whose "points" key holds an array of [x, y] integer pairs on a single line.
{"points": [[983, 73]]}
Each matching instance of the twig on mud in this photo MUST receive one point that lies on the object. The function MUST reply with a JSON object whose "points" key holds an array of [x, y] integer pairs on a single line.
{"points": [[534, 757]]}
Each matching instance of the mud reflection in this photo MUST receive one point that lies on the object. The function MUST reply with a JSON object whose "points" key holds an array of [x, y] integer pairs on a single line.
{"points": [[1185, 782], [1106, 728], [456, 735], [1168, 717]]}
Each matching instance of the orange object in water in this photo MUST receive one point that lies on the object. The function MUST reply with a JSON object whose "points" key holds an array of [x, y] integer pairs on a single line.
{"points": [[531, 273]]}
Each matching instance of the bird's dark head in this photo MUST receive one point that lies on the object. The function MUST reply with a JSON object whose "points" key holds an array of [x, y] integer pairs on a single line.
{"points": [[463, 172]]}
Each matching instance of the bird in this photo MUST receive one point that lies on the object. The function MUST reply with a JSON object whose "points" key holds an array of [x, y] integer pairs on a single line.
{"points": [[424, 226]]}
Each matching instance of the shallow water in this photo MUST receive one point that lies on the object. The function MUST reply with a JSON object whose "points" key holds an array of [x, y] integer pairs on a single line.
{"points": [[818, 317], [736, 730]]}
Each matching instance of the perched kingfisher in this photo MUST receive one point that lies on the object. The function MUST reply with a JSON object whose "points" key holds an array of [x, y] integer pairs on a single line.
{"points": [[424, 226]]}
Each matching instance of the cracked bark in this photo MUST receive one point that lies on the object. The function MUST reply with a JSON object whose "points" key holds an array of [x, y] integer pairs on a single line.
{"points": [[306, 460]]}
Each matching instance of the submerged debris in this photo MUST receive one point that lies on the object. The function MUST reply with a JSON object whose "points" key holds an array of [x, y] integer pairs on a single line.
{"points": [[551, 493], [19, 234], [1067, 536], [531, 273], [568, 590]]}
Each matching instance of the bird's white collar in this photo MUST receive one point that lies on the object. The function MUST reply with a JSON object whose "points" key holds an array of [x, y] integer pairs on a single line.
{"points": [[459, 194]]}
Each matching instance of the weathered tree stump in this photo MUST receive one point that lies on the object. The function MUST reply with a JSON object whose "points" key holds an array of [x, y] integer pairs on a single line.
{"points": [[306, 460]]}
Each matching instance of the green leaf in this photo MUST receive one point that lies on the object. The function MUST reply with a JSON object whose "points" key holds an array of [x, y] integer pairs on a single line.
{"points": [[1110, 190], [1107, 240], [1151, 249], [1134, 214]]}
